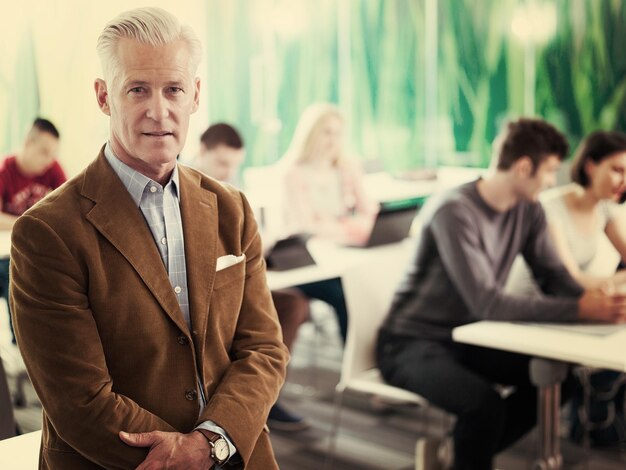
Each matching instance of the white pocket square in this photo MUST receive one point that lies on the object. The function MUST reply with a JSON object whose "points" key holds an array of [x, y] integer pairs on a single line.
{"points": [[227, 261]]}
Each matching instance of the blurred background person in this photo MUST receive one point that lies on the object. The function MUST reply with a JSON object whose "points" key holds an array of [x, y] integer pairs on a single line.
{"points": [[25, 178], [324, 193], [324, 186], [30, 174], [221, 154], [579, 217]]}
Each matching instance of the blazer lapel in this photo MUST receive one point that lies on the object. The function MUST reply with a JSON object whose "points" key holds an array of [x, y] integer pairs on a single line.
{"points": [[198, 208], [117, 218]]}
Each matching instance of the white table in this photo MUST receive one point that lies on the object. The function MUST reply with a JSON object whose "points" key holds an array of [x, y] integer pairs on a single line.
{"points": [[553, 346], [333, 260], [579, 344], [21, 452]]}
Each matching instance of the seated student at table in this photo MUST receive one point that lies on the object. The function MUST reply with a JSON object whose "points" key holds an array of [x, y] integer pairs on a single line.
{"points": [[25, 178], [324, 193], [579, 215], [470, 236], [221, 154]]}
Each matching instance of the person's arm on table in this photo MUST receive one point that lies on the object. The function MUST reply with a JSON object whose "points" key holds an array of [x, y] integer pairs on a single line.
{"points": [[459, 241]]}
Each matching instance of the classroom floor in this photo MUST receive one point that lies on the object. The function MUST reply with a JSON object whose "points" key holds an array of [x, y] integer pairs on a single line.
{"points": [[373, 435]]}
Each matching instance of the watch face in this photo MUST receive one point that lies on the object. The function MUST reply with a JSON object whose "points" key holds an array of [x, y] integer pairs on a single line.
{"points": [[221, 450]]}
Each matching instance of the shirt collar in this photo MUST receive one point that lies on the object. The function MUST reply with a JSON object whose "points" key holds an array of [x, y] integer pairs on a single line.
{"points": [[135, 182]]}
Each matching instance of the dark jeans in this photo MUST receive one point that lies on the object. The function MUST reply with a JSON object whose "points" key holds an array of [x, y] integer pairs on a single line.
{"points": [[4, 290], [460, 379], [331, 292]]}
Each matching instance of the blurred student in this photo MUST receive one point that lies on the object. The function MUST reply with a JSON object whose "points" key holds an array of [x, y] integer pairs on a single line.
{"points": [[469, 240], [324, 187], [30, 174], [324, 193], [25, 178], [221, 155], [580, 213], [578, 216]]}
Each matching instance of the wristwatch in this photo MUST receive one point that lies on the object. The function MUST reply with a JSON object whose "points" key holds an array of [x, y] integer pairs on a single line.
{"points": [[219, 447]]}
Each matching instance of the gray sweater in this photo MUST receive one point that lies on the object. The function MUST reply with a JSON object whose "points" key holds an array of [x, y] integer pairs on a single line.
{"points": [[462, 260]]}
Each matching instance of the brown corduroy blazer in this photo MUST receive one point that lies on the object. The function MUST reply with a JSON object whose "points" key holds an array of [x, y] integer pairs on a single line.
{"points": [[104, 339]]}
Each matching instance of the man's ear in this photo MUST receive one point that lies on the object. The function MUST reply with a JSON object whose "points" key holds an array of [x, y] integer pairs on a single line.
{"points": [[196, 95], [524, 166], [102, 96]]}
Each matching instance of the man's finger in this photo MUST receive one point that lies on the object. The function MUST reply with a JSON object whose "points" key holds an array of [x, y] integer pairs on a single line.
{"points": [[139, 439]]}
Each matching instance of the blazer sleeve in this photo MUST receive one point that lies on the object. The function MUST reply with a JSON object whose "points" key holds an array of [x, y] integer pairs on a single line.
{"points": [[250, 386], [59, 341]]}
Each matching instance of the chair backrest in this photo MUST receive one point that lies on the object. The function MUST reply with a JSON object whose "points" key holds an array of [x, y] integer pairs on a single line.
{"points": [[369, 290], [264, 187]]}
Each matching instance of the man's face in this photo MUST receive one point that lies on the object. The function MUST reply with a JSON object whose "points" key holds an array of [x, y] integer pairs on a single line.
{"points": [[40, 151], [221, 162], [531, 184], [150, 102]]}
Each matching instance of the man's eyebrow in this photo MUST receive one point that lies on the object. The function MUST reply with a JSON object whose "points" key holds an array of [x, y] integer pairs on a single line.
{"points": [[178, 83], [135, 83]]}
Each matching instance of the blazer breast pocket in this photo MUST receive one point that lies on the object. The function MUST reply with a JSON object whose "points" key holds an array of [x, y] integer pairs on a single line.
{"points": [[228, 275]]}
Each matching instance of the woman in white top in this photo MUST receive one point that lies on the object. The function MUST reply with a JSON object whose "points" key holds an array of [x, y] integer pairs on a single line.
{"points": [[586, 224], [324, 187], [324, 193], [585, 221], [588, 208], [586, 211]]}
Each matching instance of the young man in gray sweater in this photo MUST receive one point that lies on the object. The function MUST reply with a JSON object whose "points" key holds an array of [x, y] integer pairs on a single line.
{"points": [[469, 239]]}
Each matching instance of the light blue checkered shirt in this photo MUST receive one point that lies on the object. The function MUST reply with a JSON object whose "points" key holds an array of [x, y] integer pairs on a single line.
{"points": [[160, 207]]}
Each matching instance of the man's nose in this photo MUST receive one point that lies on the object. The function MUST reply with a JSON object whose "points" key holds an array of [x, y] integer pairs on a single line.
{"points": [[158, 107]]}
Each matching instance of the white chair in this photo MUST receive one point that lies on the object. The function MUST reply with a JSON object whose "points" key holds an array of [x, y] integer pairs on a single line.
{"points": [[369, 291]]}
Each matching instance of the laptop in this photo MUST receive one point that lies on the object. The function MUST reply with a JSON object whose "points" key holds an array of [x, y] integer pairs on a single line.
{"points": [[289, 253], [393, 223]]}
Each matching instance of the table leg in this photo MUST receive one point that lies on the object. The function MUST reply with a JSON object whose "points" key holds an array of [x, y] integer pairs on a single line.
{"points": [[547, 375]]}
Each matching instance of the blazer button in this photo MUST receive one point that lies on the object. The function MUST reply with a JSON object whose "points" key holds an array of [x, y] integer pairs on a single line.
{"points": [[191, 395], [182, 339]]}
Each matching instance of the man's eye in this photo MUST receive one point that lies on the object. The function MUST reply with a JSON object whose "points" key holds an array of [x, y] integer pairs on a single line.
{"points": [[136, 89], [175, 90]]}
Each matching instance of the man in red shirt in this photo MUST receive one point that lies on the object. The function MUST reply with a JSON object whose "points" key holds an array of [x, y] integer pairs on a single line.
{"points": [[28, 176], [25, 178]]}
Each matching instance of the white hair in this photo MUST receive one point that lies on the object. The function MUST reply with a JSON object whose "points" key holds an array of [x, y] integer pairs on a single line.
{"points": [[149, 25]]}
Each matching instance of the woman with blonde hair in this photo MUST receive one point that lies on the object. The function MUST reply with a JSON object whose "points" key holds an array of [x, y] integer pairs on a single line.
{"points": [[324, 193], [324, 186]]}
